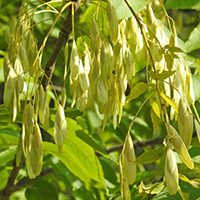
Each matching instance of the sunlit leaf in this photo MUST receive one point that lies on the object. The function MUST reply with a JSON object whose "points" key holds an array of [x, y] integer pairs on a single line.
{"points": [[8, 154], [151, 156], [155, 108], [163, 75], [153, 189], [169, 101], [182, 4], [155, 120], [41, 190], [136, 91], [77, 155], [196, 88], [7, 140], [191, 43], [122, 9]]}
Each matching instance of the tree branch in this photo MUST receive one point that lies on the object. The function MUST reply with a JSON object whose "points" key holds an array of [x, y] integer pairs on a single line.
{"points": [[137, 144], [8, 190], [63, 37]]}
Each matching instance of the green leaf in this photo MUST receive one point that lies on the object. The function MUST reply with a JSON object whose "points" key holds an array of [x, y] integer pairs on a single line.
{"points": [[155, 120], [137, 90], [109, 173], [169, 101], [192, 42], [155, 108], [182, 4], [195, 154], [41, 190], [92, 143], [80, 43], [152, 189], [151, 156], [92, 11], [71, 182], [3, 178], [122, 9], [196, 88], [7, 140], [77, 155], [8, 154], [163, 75], [185, 187], [176, 49], [146, 175]]}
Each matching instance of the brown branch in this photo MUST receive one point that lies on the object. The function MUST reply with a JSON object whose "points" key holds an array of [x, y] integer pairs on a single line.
{"points": [[137, 144], [8, 190], [22, 183], [63, 37]]}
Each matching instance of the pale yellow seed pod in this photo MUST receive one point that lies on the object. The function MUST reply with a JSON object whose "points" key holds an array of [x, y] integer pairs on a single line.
{"points": [[135, 31], [197, 127], [150, 18], [66, 59], [83, 81], [46, 114], [139, 49], [41, 103], [129, 65], [24, 58], [13, 25], [37, 101], [28, 41], [111, 62], [18, 66], [19, 151], [124, 186], [63, 97], [27, 127], [113, 22], [179, 146], [171, 172], [129, 164], [102, 91], [60, 128], [15, 105], [82, 99], [118, 52], [74, 61], [126, 190], [31, 175], [95, 40], [73, 84], [36, 151], [104, 60], [8, 37], [185, 123], [9, 89], [7, 65], [109, 12], [189, 88]]}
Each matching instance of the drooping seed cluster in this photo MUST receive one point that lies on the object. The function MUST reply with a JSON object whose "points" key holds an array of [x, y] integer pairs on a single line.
{"points": [[108, 68], [23, 60]]}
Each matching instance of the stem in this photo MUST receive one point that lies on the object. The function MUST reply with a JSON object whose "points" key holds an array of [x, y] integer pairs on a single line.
{"points": [[132, 122], [63, 37], [148, 48]]}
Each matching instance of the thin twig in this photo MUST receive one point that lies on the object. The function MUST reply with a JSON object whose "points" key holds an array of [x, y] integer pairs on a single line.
{"points": [[63, 37], [137, 144]]}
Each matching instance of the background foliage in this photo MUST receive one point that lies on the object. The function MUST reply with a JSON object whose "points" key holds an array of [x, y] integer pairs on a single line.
{"points": [[78, 173]]}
